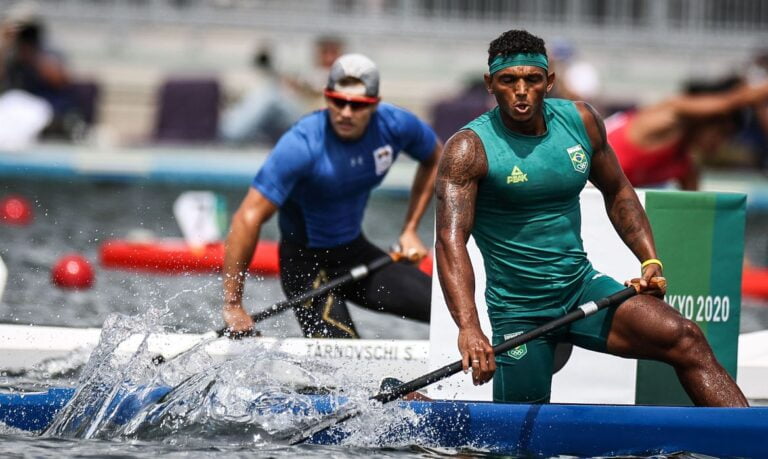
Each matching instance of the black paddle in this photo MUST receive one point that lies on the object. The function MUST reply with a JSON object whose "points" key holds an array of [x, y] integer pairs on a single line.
{"points": [[356, 273], [394, 393]]}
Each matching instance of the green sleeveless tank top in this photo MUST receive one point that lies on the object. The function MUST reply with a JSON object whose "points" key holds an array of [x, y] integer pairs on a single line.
{"points": [[527, 213]]}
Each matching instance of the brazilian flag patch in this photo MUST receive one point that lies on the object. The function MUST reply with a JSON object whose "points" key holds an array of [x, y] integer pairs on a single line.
{"points": [[578, 158]]}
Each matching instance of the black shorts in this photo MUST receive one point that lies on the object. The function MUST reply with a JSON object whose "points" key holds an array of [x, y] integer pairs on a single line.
{"points": [[398, 288]]}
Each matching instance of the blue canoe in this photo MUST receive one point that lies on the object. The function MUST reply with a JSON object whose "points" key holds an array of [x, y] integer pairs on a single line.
{"points": [[514, 429]]}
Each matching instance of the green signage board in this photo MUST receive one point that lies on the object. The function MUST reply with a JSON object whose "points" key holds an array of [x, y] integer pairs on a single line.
{"points": [[700, 238]]}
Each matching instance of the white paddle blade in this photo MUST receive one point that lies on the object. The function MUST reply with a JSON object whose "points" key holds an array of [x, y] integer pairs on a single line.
{"points": [[200, 216]]}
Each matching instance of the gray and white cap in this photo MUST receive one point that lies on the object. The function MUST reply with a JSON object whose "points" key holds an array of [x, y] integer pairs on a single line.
{"points": [[355, 66]]}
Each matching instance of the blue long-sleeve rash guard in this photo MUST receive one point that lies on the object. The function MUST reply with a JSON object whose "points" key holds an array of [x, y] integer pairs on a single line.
{"points": [[321, 184]]}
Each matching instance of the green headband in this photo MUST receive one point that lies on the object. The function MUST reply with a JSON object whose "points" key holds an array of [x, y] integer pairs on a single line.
{"points": [[511, 60]]}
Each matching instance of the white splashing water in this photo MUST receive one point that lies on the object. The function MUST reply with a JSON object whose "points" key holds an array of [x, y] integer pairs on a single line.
{"points": [[258, 397]]}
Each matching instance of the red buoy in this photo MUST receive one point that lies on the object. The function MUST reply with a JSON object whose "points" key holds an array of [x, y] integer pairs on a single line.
{"points": [[15, 210], [72, 271]]}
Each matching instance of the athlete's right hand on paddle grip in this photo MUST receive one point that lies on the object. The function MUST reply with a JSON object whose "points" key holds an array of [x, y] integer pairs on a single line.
{"points": [[477, 355], [397, 254], [656, 286], [410, 247], [239, 323], [251, 332]]}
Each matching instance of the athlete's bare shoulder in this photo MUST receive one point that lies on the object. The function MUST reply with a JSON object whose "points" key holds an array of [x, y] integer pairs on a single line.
{"points": [[461, 167], [463, 158], [594, 125]]}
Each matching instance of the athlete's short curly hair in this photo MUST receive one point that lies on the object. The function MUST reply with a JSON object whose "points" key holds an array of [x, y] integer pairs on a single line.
{"points": [[515, 41]]}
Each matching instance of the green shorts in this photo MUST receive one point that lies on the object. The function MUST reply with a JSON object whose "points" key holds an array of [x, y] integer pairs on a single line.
{"points": [[524, 374]]}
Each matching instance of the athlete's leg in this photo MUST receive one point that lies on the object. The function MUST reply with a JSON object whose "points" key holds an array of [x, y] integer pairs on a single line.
{"points": [[401, 289], [324, 317], [645, 327]]}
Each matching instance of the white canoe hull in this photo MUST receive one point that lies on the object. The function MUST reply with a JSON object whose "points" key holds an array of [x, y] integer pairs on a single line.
{"points": [[28, 347]]}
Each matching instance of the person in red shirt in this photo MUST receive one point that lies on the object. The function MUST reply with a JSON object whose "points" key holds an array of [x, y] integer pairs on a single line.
{"points": [[655, 144]]}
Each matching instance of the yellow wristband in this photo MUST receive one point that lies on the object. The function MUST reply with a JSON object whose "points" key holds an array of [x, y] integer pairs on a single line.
{"points": [[651, 261]]}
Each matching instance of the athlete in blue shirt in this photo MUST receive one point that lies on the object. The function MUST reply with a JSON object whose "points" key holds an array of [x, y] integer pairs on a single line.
{"points": [[320, 175]]}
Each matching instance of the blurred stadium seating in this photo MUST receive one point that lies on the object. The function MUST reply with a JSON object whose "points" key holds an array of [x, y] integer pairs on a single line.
{"points": [[188, 110], [425, 48], [431, 17], [86, 93]]}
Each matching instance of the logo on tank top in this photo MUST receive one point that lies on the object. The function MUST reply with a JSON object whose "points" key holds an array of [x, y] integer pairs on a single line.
{"points": [[382, 157], [517, 176], [578, 158], [518, 352]]}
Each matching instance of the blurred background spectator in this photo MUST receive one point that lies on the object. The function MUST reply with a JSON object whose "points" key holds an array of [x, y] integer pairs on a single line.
{"points": [[266, 111], [577, 79], [754, 136], [310, 81], [668, 140], [29, 67], [279, 98]]}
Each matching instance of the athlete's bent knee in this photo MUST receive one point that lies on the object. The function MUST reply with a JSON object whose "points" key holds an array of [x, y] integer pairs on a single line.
{"points": [[690, 343]]}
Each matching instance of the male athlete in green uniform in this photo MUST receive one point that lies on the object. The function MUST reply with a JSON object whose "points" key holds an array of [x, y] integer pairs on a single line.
{"points": [[512, 179]]}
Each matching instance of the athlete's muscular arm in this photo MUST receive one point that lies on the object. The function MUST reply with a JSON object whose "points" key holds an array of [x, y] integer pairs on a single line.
{"points": [[241, 241], [421, 193], [706, 105], [621, 202], [463, 164]]}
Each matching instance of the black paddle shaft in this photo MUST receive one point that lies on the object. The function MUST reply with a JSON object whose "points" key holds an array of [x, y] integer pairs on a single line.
{"points": [[358, 272], [455, 367]]}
